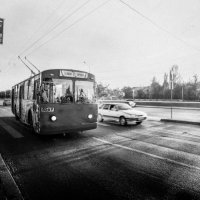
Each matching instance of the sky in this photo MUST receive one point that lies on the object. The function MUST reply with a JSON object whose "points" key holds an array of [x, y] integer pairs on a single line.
{"points": [[122, 42]]}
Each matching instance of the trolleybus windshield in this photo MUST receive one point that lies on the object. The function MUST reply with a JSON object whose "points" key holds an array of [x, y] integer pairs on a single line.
{"points": [[63, 91]]}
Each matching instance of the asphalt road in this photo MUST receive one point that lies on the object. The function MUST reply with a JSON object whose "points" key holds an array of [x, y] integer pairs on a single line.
{"points": [[154, 160], [176, 113]]}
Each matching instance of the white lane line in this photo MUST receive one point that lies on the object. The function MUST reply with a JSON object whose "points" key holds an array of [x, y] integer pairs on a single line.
{"points": [[11, 130], [9, 184], [148, 154]]}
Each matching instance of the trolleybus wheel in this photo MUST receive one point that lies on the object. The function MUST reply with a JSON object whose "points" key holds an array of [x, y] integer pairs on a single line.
{"points": [[122, 121], [35, 126], [16, 117]]}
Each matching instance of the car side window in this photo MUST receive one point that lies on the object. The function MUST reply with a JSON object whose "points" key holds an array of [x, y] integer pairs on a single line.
{"points": [[106, 107], [101, 106], [112, 107]]}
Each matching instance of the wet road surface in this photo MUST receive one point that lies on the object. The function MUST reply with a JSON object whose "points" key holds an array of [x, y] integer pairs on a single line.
{"points": [[154, 160]]}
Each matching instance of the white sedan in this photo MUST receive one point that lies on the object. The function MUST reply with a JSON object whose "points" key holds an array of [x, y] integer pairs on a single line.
{"points": [[120, 112]]}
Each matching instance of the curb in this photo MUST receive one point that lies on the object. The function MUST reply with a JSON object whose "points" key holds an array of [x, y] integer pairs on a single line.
{"points": [[169, 107], [8, 187], [180, 121], [172, 120]]}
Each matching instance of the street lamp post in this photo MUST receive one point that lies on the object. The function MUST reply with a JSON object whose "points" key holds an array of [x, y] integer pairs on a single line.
{"points": [[182, 92], [171, 76]]}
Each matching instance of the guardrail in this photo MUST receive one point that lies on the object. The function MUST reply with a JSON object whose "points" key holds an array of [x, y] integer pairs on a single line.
{"points": [[169, 103]]}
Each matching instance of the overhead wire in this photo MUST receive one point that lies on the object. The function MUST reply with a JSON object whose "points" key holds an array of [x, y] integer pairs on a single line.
{"points": [[41, 25], [15, 55], [70, 26], [158, 26], [55, 26]]}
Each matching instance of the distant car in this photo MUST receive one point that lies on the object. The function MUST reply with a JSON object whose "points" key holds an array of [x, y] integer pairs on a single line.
{"points": [[6, 102], [120, 112], [131, 102], [127, 101]]}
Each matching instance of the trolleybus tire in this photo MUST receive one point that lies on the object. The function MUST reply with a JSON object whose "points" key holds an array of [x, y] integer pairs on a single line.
{"points": [[16, 117], [35, 127], [122, 121]]}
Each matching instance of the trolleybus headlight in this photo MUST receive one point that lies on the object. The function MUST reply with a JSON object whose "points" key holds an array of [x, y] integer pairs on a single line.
{"points": [[90, 116], [53, 118]]}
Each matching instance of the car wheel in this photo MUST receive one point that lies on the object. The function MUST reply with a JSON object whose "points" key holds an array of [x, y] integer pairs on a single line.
{"points": [[138, 123], [122, 121], [100, 118]]}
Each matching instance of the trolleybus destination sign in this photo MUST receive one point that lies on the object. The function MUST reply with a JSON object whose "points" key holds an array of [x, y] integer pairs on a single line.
{"points": [[68, 73]]}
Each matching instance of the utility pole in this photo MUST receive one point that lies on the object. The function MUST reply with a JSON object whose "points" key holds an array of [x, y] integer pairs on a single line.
{"points": [[182, 93], [171, 77]]}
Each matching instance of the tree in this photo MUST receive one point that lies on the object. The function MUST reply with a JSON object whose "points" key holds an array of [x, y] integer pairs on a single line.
{"points": [[165, 87], [155, 90], [128, 91], [117, 93], [101, 90], [141, 94]]}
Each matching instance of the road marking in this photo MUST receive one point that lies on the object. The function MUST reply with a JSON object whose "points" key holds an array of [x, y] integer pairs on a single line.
{"points": [[9, 185], [11, 130], [148, 154]]}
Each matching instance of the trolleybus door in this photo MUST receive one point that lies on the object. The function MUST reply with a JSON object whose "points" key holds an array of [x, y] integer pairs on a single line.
{"points": [[13, 100], [21, 94]]}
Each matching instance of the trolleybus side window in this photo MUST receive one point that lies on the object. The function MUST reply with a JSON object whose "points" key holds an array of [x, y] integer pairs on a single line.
{"points": [[36, 89], [30, 89], [25, 89], [16, 91]]}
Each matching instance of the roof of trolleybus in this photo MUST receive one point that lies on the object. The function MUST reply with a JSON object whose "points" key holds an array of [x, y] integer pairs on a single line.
{"points": [[62, 73], [67, 73]]}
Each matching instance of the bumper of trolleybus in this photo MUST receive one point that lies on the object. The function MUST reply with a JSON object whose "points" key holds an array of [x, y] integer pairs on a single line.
{"points": [[62, 129], [69, 118]]}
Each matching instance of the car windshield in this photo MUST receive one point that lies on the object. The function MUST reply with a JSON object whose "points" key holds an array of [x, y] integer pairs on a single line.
{"points": [[123, 106]]}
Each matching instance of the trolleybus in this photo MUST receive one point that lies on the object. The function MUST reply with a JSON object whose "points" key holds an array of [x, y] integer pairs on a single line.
{"points": [[56, 101]]}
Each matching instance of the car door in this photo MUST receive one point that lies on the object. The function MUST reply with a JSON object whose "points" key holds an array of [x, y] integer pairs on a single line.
{"points": [[113, 112], [105, 111]]}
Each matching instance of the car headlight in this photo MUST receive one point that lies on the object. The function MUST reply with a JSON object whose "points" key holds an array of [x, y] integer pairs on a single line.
{"points": [[53, 118], [90, 116]]}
